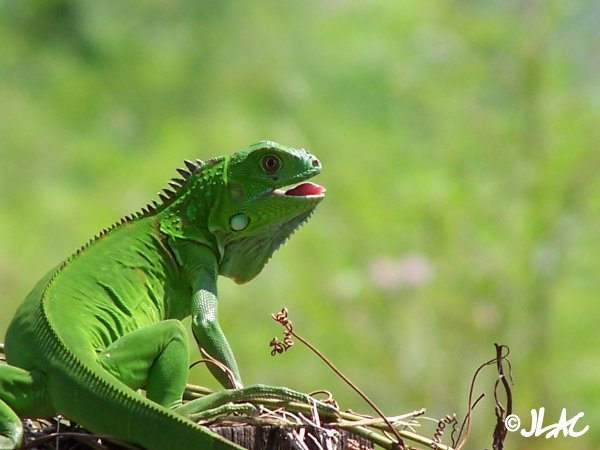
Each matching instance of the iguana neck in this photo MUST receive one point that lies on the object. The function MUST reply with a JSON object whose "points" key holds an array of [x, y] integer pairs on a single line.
{"points": [[187, 213]]}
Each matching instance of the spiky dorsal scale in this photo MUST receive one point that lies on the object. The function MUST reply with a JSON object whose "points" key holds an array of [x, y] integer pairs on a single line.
{"points": [[184, 173], [170, 193], [192, 167], [176, 183]]}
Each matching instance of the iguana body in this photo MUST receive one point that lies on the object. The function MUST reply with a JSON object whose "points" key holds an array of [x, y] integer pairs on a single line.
{"points": [[106, 321]]}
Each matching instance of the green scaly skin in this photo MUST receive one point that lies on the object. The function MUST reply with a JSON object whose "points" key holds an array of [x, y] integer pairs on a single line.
{"points": [[106, 322]]}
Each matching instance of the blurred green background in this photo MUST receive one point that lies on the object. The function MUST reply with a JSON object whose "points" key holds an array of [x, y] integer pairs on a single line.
{"points": [[461, 155]]}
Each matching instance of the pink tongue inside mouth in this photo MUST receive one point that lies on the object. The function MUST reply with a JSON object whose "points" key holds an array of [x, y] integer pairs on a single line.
{"points": [[306, 189]]}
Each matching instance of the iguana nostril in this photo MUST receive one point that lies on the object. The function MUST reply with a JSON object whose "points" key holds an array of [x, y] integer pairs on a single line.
{"points": [[316, 162]]}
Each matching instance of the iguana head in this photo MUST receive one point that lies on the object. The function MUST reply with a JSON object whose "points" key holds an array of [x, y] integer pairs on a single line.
{"points": [[265, 199]]}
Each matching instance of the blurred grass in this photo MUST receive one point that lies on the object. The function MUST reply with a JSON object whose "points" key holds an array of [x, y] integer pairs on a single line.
{"points": [[461, 159]]}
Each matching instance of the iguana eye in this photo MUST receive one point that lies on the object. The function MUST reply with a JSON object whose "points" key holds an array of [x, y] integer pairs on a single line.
{"points": [[270, 163]]}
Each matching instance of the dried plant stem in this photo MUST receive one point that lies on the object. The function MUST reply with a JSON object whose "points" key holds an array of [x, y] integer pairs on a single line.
{"points": [[193, 391], [351, 384], [282, 318], [352, 422]]}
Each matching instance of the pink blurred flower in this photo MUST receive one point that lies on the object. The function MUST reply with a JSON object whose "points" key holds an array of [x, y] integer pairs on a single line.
{"points": [[412, 270]]}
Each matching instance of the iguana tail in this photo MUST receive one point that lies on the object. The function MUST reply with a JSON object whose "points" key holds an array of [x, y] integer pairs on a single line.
{"points": [[86, 393]]}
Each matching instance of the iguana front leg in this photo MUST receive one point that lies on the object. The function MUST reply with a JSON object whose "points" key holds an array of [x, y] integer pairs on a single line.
{"points": [[208, 333], [201, 267]]}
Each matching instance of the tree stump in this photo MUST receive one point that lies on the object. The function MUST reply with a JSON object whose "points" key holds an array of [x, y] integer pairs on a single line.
{"points": [[281, 438], [252, 437]]}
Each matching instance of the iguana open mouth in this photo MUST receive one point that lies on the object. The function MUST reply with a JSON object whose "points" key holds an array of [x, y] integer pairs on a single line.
{"points": [[306, 189]]}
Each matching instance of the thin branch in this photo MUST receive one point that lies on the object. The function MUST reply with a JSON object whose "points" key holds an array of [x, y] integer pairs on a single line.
{"points": [[282, 318], [208, 359]]}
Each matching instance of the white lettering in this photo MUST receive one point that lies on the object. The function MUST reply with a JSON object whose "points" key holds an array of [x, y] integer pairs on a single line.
{"points": [[564, 425]]}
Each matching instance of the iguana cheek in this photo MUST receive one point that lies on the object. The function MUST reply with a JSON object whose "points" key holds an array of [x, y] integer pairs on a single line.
{"points": [[239, 222]]}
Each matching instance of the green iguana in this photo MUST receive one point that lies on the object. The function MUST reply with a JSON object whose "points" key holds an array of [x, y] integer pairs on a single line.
{"points": [[106, 322]]}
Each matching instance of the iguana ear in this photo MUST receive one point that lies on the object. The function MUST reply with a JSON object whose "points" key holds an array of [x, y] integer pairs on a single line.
{"points": [[239, 222]]}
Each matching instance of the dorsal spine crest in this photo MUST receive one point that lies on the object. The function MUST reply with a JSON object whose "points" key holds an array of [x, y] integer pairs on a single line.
{"points": [[167, 197]]}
